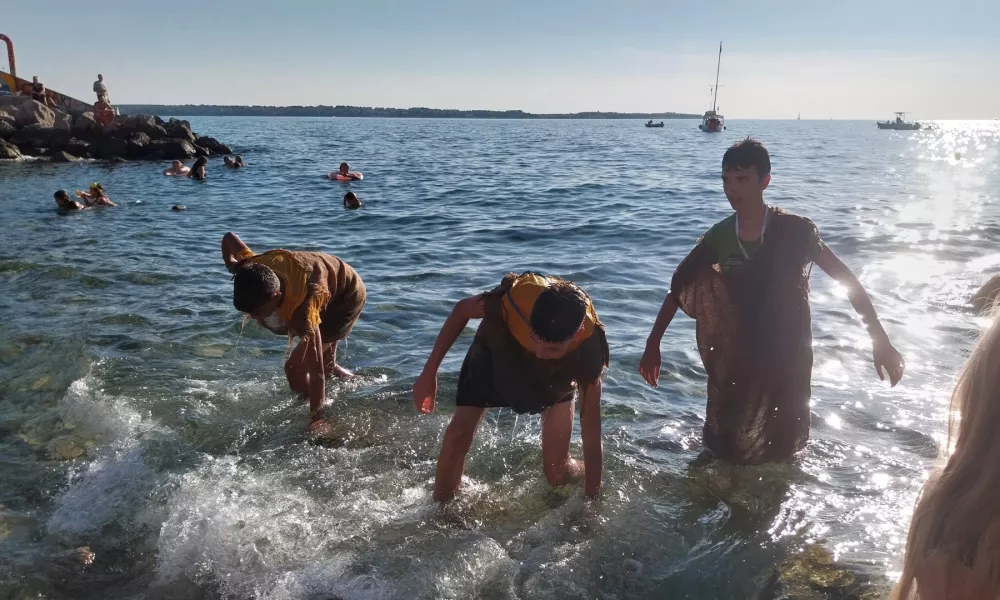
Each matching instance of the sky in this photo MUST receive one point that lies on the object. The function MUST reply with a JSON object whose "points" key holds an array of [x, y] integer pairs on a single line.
{"points": [[824, 59]]}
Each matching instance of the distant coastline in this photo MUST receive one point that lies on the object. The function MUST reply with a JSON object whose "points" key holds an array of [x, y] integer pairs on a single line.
{"points": [[216, 110]]}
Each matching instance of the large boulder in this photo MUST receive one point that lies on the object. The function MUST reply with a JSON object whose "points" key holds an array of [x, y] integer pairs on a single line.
{"points": [[108, 148], [213, 145], [78, 147], [63, 120], [38, 136], [125, 126], [34, 113], [172, 149], [180, 129], [63, 157], [135, 144], [6, 129], [86, 125], [6, 115], [8, 151]]}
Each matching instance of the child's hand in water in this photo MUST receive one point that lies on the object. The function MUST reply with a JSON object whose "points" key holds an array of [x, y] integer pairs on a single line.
{"points": [[888, 358], [425, 392]]}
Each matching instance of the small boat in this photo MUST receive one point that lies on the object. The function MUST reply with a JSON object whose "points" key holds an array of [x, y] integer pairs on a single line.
{"points": [[899, 124], [652, 124], [712, 121]]}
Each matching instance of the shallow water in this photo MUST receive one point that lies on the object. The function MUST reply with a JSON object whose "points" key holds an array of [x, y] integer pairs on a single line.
{"points": [[140, 419]]}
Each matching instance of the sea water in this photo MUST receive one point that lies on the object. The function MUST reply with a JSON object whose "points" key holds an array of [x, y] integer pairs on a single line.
{"points": [[140, 420]]}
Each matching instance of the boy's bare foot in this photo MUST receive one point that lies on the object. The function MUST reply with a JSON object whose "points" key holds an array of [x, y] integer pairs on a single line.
{"points": [[341, 372]]}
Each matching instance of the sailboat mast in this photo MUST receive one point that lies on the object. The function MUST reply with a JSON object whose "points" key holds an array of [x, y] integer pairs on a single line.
{"points": [[715, 95]]}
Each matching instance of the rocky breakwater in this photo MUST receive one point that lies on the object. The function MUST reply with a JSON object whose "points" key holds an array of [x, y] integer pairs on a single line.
{"points": [[28, 128]]}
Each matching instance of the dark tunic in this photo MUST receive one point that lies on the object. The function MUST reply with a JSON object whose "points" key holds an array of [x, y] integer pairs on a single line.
{"points": [[755, 340], [499, 372]]}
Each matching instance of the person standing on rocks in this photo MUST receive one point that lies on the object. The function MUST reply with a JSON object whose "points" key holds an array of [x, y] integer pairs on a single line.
{"points": [[101, 90], [39, 93]]}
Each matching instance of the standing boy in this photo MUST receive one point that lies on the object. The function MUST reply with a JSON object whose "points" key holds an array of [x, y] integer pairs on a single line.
{"points": [[746, 284], [538, 343]]}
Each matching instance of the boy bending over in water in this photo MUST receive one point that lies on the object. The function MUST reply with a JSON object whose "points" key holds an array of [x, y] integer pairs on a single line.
{"points": [[749, 296], [315, 297], [538, 343]]}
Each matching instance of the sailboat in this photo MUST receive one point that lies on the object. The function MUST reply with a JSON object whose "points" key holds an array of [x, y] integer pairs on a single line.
{"points": [[713, 122]]}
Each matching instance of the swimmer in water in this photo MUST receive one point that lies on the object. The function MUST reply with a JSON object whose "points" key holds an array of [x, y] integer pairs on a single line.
{"points": [[227, 161], [315, 297], [197, 170], [539, 345], [177, 168], [750, 299], [64, 203], [351, 200], [95, 196], [238, 162]]}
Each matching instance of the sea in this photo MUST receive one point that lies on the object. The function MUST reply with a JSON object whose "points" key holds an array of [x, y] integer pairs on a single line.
{"points": [[150, 447]]}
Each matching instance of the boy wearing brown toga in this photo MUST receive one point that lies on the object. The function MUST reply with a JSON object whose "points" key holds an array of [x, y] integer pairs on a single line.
{"points": [[316, 297], [538, 343], [746, 284]]}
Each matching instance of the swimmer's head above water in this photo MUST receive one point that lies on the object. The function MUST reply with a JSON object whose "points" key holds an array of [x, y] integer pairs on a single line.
{"points": [[557, 319], [256, 291], [345, 168], [228, 161], [351, 200]]}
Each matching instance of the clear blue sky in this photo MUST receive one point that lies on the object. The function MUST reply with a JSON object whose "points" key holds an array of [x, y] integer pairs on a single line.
{"points": [[844, 59]]}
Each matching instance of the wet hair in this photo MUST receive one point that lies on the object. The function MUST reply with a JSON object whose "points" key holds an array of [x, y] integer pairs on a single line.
{"points": [[342, 165], [239, 159], [748, 153], [61, 195], [201, 161], [558, 312], [350, 198], [253, 286]]}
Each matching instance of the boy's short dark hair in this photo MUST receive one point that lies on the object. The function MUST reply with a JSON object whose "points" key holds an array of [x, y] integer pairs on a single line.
{"points": [[61, 195], [558, 312], [748, 153], [253, 286]]}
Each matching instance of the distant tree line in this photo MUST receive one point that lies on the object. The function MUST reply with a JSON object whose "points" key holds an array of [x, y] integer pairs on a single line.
{"points": [[215, 110]]}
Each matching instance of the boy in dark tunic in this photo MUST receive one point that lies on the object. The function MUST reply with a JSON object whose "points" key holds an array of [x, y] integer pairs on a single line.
{"points": [[539, 342], [746, 284]]}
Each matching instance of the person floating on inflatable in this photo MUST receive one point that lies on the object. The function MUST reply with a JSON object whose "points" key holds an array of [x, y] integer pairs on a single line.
{"points": [[95, 196], [177, 168], [315, 297], [346, 174], [538, 345]]}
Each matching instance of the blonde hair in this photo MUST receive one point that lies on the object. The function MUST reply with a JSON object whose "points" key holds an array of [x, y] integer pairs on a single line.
{"points": [[958, 515]]}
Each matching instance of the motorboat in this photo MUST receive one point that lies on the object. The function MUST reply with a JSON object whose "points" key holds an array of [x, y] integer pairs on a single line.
{"points": [[899, 124], [652, 124]]}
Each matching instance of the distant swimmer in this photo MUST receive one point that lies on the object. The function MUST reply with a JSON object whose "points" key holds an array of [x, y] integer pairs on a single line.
{"points": [[346, 174], [197, 170], [987, 295], [64, 202], [312, 296], [177, 168], [95, 196], [750, 300], [227, 161], [538, 345], [238, 162], [351, 200]]}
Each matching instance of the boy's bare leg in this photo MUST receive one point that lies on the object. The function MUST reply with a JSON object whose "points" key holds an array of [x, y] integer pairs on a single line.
{"points": [[454, 448], [557, 428]]}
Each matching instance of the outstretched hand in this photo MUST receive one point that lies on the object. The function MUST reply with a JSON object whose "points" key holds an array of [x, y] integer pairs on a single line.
{"points": [[888, 361], [649, 365], [425, 392]]}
